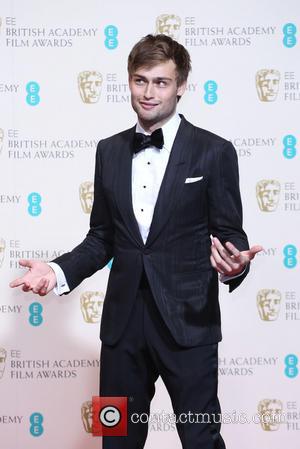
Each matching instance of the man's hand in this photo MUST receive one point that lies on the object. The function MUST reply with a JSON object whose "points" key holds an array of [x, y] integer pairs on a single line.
{"points": [[230, 261], [40, 278]]}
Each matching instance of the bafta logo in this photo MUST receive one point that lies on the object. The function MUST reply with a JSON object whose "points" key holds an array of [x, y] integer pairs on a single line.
{"points": [[91, 306], [1, 139], [87, 416], [89, 84], [270, 413], [268, 304], [86, 194], [2, 250], [267, 84], [168, 24], [3, 354], [267, 194]]}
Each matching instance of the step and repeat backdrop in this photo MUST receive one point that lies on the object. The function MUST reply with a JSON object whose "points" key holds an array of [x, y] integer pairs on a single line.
{"points": [[63, 87]]}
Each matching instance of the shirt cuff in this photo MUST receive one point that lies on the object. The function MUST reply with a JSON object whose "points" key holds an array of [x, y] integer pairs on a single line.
{"points": [[224, 278], [61, 282]]}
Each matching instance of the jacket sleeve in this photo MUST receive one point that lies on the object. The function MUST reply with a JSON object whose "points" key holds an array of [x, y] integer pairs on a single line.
{"points": [[97, 248], [225, 205]]}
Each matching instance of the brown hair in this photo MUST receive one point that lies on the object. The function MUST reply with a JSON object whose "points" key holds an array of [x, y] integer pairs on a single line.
{"points": [[152, 50]]}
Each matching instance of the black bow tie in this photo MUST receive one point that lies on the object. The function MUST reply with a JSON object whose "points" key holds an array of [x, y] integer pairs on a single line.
{"points": [[142, 141]]}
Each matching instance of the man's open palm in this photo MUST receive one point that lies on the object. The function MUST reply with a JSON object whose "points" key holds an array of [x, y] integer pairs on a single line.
{"points": [[228, 260], [40, 278]]}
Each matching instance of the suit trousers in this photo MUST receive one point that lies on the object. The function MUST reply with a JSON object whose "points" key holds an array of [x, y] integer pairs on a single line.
{"points": [[147, 350]]}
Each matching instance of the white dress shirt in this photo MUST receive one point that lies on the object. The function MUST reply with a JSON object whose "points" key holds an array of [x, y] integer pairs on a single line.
{"points": [[148, 169]]}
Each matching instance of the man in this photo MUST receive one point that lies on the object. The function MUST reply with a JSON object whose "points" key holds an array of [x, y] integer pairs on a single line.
{"points": [[157, 201]]}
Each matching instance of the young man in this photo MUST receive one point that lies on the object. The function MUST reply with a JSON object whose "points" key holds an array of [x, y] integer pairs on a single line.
{"points": [[162, 188]]}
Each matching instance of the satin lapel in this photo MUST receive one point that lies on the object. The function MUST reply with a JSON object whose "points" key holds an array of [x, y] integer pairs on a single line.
{"points": [[124, 188], [173, 180]]}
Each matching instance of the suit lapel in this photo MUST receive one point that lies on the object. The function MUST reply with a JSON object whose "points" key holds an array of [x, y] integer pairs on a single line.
{"points": [[124, 186], [173, 180]]}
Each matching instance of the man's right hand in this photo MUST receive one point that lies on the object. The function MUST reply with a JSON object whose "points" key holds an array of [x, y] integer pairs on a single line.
{"points": [[40, 278]]}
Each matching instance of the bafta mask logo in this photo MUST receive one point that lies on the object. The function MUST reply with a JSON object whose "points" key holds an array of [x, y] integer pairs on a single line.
{"points": [[87, 416], [267, 194], [3, 355], [91, 304], [1, 139], [268, 304], [86, 194], [267, 84], [89, 84], [2, 251], [168, 24], [270, 412]]}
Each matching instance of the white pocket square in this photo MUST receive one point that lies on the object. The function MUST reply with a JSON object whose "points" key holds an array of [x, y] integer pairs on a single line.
{"points": [[189, 180]]}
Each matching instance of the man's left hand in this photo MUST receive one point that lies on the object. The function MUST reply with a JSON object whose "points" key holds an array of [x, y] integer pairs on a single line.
{"points": [[228, 260]]}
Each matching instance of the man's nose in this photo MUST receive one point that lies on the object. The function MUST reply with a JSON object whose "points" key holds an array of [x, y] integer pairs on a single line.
{"points": [[148, 92]]}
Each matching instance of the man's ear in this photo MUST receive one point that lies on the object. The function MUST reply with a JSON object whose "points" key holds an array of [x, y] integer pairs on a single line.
{"points": [[181, 89]]}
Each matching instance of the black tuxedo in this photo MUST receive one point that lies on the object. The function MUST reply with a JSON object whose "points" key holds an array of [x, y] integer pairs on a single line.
{"points": [[161, 311], [176, 256]]}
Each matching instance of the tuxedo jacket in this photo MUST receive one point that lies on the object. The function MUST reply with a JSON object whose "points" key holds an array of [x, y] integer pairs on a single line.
{"points": [[176, 255]]}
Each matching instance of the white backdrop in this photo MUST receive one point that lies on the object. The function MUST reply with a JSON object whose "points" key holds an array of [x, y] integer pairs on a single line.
{"points": [[49, 127]]}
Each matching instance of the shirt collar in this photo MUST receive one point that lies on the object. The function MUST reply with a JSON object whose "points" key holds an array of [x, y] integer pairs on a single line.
{"points": [[169, 130]]}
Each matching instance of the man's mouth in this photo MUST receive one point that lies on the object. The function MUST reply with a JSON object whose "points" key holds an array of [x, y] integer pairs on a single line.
{"points": [[148, 105]]}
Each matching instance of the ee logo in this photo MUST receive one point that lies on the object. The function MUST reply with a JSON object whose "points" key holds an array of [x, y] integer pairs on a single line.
{"points": [[32, 89], [111, 32], [291, 369], [36, 421], [34, 204], [290, 252], [210, 88], [35, 314], [289, 33], [289, 150]]}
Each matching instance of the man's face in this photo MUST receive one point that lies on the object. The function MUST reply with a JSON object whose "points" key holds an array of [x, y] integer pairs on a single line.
{"points": [[154, 94], [270, 305]]}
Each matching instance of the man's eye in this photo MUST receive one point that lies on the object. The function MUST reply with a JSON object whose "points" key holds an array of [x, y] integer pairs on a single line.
{"points": [[139, 81], [162, 83]]}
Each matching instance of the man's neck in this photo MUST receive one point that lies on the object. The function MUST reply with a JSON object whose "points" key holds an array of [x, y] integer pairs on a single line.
{"points": [[149, 128]]}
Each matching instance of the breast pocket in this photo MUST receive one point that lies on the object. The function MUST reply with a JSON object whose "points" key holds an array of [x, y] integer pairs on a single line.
{"points": [[193, 195], [193, 179]]}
